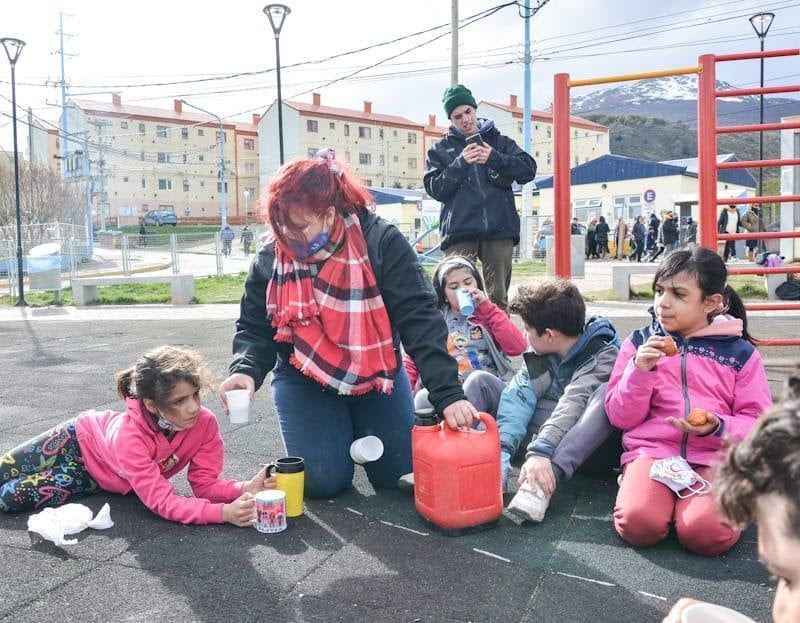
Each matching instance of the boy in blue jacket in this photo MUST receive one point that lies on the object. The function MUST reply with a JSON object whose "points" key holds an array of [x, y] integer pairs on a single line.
{"points": [[560, 389]]}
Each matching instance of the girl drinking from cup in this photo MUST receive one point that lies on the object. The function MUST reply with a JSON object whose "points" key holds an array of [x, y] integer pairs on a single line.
{"points": [[163, 429], [677, 409], [481, 337]]}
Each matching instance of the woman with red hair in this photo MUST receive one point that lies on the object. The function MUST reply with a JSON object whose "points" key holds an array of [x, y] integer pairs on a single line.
{"points": [[326, 305]]}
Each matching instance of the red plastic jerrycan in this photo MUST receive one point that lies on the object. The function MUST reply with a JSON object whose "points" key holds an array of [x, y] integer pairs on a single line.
{"points": [[456, 473]]}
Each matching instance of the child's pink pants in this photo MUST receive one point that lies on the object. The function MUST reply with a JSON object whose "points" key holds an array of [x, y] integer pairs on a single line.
{"points": [[645, 509]]}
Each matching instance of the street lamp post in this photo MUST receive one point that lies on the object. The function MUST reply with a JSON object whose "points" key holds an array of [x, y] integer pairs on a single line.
{"points": [[761, 23], [13, 48], [223, 193], [277, 15], [246, 194]]}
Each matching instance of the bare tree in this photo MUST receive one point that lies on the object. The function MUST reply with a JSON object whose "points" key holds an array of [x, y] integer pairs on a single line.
{"points": [[44, 198]]}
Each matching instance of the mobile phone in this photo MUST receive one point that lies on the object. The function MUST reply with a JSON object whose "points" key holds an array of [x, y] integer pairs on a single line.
{"points": [[476, 139]]}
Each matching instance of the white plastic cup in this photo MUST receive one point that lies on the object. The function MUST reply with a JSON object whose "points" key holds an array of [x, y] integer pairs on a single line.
{"points": [[712, 613], [238, 405], [366, 449], [465, 304]]}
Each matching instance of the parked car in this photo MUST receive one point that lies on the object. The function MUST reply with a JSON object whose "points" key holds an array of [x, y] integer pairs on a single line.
{"points": [[539, 241], [161, 217]]}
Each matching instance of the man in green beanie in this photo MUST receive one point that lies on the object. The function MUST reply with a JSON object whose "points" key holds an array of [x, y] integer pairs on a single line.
{"points": [[471, 171]]}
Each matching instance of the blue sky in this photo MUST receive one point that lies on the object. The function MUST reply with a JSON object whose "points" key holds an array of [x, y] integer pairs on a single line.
{"points": [[148, 42]]}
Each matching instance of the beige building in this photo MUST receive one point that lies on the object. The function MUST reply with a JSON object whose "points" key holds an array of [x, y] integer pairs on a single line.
{"points": [[43, 145], [146, 158], [588, 140], [383, 150]]}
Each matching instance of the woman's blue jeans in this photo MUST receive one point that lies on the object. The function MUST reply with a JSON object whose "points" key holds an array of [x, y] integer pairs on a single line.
{"points": [[320, 425]]}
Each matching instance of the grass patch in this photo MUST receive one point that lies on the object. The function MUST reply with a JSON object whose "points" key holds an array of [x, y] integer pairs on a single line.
{"points": [[169, 229], [520, 271], [225, 289], [746, 286]]}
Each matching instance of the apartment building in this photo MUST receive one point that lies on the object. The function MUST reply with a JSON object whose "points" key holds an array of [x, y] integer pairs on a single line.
{"points": [[146, 158], [43, 144], [588, 140], [383, 150]]}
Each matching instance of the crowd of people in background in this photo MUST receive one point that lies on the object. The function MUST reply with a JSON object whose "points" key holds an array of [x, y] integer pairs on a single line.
{"points": [[647, 240]]}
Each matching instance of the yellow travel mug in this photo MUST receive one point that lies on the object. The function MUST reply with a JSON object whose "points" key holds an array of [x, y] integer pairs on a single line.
{"points": [[290, 474]]}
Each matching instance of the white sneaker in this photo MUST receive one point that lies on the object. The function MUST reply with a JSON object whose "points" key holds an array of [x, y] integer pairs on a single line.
{"points": [[530, 503]]}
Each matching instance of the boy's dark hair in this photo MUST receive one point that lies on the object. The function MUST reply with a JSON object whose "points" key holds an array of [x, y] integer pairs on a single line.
{"points": [[553, 304], [712, 276], [766, 462]]}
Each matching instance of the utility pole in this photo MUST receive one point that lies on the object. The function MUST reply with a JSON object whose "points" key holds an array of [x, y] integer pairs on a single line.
{"points": [[99, 124], [527, 189], [223, 192], [454, 42], [30, 137], [64, 95], [86, 171]]}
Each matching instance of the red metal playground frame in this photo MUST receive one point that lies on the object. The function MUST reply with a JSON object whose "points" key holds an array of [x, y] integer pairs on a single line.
{"points": [[707, 132]]}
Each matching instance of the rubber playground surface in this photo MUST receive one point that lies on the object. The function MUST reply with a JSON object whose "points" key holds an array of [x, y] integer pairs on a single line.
{"points": [[362, 556]]}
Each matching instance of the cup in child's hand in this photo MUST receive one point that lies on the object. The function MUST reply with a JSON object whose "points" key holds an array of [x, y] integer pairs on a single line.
{"points": [[465, 304], [270, 511], [238, 405], [290, 478], [366, 449]]}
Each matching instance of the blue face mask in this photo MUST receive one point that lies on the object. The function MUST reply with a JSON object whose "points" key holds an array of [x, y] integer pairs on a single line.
{"points": [[304, 250]]}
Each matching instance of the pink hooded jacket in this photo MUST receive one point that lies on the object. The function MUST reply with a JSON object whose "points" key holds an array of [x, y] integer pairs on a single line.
{"points": [[715, 369], [127, 452]]}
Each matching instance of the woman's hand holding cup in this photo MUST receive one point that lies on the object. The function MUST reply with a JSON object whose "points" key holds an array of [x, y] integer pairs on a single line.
{"points": [[235, 381]]}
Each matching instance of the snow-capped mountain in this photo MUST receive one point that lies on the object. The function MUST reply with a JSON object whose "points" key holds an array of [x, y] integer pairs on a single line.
{"points": [[675, 99]]}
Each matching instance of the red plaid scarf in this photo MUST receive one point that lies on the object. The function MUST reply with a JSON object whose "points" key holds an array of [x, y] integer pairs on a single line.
{"points": [[332, 312]]}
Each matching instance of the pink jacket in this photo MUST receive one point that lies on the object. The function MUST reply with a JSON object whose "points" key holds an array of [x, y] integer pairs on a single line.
{"points": [[127, 452], [716, 369], [504, 332]]}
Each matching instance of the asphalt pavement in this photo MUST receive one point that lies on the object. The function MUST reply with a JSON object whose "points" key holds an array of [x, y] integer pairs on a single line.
{"points": [[362, 556]]}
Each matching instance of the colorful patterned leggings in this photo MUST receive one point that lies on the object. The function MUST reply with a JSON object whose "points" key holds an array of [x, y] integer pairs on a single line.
{"points": [[48, 470]]}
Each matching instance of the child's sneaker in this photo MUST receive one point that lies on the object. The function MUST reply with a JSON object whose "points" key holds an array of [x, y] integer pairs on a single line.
{"points": [[529, 503]]}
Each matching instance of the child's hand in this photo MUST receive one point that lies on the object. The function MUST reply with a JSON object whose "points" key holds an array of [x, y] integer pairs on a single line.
{"points": [[241, 512], [539, 470], [701, 431], [648, 354], [478, 296], [260, 482]]}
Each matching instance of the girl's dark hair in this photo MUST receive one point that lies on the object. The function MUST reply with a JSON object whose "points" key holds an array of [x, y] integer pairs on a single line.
{"points": [[766, 462], [712, 277], [156, 373], [445, 267]]}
